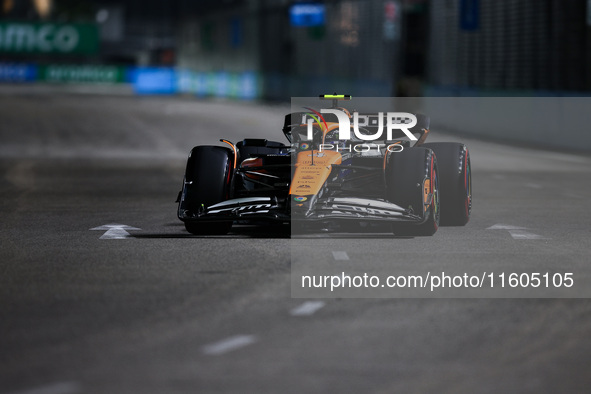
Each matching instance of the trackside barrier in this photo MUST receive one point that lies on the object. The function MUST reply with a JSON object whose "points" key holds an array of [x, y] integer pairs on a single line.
{"points": [[18, 72], [243, 85], [246, 85], [154, 80], [144, 80], [551, 122], [104, 74]]}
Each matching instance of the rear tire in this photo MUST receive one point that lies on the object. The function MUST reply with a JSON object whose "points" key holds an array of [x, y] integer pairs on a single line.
{"points": [[411, 176], [456, 182], [207, 182]]}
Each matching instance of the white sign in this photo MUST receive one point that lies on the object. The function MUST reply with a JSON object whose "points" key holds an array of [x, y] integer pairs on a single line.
{"points": [[22, 37]]}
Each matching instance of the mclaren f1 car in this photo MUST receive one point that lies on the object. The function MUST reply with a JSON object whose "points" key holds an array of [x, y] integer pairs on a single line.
{"points": [[394, 181]]}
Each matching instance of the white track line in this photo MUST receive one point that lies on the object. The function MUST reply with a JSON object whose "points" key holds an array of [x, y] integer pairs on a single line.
{"points": [[54, 388], [505, 227], [517, 232], [228, 344], [520, 234], [307, 308], [340, 255]]}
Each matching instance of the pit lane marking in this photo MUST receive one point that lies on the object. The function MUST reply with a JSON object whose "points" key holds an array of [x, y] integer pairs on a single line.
{"points": [[340, 255], [505, 227], [115, 231], [54, 388], [229, 344], [517, 232], [520, 234], [307, 308]]}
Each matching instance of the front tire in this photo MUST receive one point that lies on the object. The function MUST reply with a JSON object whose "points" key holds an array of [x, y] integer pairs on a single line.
{"points": [[207, 182], [412, 182]]}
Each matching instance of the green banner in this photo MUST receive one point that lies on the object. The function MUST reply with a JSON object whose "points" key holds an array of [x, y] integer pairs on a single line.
{"points": [[85, 73], [51, 38]]}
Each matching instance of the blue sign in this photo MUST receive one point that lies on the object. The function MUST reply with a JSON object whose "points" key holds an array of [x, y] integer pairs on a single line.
{"points": [[17, 72], [469, 15], [310, 14], [248, 86], [185, 81], [222, 87], [154, 80], [201, 84]]}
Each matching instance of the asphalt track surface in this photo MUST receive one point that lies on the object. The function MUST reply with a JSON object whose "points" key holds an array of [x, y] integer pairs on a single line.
{"points": [[166, 312]]}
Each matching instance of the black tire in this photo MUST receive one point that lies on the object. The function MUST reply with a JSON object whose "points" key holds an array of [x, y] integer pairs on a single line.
{"points": [[455, 177], [407, 174], [207, 182]]}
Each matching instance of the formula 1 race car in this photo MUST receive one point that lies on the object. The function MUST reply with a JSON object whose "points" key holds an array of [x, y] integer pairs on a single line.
{"points": [[369, 178]]}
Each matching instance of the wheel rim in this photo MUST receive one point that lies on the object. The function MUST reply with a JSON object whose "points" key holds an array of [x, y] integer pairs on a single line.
{"points": [[435, 203], [468, 185]]}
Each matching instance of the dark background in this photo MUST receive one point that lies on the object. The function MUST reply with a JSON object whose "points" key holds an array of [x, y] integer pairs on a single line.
{"points": [[370, 48]]}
